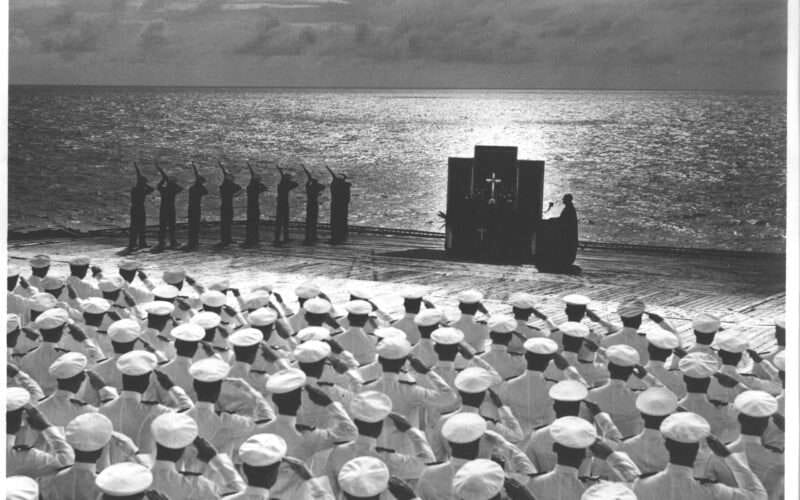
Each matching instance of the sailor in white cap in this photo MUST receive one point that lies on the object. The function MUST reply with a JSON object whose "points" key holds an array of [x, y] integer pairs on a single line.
{"points": [[363, 477], [615, 397], [173, 434], [683, 432], [502, 329], [426, 322], [355, 339], [412, 305], [215, 335], [408, 397], [698, 368], [731, 345], [19, 294], [40, 266], [455, 354], [479, 479], [125, 480], [188, 349], [130, 414], [574, 339], [262, 458], [25, 460], [660, 346], [522, 306], [608, 490], [304, 292], [129, 270], [275, 331], [705, 327], [217, 302], [756, 409], [78, 268], [382, 434], [57, 287], [18, 378], [256, 299], [96, 321], [21, 488], [475, 334], [780, 342], [113, 290], [631, 312], [646, 448], [14, 336], [159, 325]]}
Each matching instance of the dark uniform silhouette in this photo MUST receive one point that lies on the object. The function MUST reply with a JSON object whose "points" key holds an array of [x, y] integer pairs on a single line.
{"points": [[139, 194], [286, 184], [340, 200], [569, 226], [254, 190], [169, 189], [196, 193], [557, 240], [313, 190], [227, 190]]}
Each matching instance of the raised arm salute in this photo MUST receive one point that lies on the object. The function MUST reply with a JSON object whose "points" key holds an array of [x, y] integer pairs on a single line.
{"points": [[254, 190], [313, 190], [227, 190], [139, 194], [286, 184], [196, 193], [169, 189]]}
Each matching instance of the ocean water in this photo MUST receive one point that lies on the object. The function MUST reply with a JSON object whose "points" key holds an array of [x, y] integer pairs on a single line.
{"points": [[696, 169]]}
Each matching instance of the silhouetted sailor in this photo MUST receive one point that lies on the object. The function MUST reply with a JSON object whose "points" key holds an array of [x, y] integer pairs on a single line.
{"points": [[313, 190], [569, 221], [139, 194], [227, 190], [169, 189], [340, 199], [254, 190], [196, 193], [286, 184]]}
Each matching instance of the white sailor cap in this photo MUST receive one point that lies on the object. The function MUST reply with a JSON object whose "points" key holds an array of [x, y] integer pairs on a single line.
{"points": [[464, 427], [256, 299], [780, 322], [39, 261], [780, 361], [568, 391], [473, 379], [631, 308], [89, 431], [206, 319], [286, 380], [385, 332], [263, 316], [174, 430], [360, 307], [124, 479], [124, 330], [370, 406], [706, 323], [574, 329], [21, 488], [159, 308], [357, 291], [52, 282], [540, 345], [756, 404], [209, 370], [575, 299], [622, 355], [261, 450], [16, 398], [313, 333], [501, 324], [447, 335], [307, 291], [42, 302], [174, 276], [469, 297], [480, 479], [12, 270], [213, 298], [137, 363], [573, 432], [608, 490], [68, 365], [317, 305], [12, 323], [95, 305], [168, 292], [364, 477], [312, 351], [698, 365], [111, 284], [52, 318], [522, 301], [429, 317], [129, 265], [663, 339], [79, 261], [393, 348], [220, 286], [245, 337], [657, 401], [413, 294], [188, 332], [732, 341], [685, 427]]}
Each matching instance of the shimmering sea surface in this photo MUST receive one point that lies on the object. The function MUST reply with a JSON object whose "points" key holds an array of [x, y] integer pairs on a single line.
{"points": [[697, 169]]}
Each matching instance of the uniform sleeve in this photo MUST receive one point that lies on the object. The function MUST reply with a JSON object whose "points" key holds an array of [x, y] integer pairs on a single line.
{"points": [[517, 463], [237, 426], [508, 426], [61, 454], [231, 480], [341, 429], [481, 363], [93, 351], [183, 400], [750, 488], [623, 466], [26, 382], [410, 464], [441, 394]]}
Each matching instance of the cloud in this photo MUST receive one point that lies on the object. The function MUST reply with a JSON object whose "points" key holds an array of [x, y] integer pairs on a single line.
{"points": [[273, 38], [153, 36], [74, 40]]}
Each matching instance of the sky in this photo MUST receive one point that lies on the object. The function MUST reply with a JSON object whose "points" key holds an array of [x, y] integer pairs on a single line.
{"points": [[528, 44]]}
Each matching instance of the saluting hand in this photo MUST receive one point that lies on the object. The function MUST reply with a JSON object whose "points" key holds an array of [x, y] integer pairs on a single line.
{"points": [[11, 370], [717, 446], [317, 396], [30, 333], [36, 419], [71, 292], [24, 283], [400, 489], [592, 315], [400, 422], [95, 380], [299, 467], [336, 347], [205, 450], [594, 408], [757, 358], [516, 490], [76, 332], [601, 449], [142, 275], [560, 361], [655, 317], [726, 380], [267, 353], [779, 421], [338, 365], [418, 365], [465, 350], [495, 399], [164, 380]]}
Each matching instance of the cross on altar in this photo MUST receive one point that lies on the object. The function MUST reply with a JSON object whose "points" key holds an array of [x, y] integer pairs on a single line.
{"points": [[493, 180]]}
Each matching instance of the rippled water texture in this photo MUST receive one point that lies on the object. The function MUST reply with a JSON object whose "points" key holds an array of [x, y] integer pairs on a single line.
{"points": [[699, 169]]}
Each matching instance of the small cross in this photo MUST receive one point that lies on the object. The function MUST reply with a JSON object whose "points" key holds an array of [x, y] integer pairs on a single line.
{"points": [[494, 180]]}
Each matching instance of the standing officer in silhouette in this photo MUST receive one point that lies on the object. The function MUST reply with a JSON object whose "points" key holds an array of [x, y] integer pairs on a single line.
{"points": [[139, 194], [313, 190], [340, 199], [227, 190], [169, 189], [254, 190], [286, 184], [196, 193]]}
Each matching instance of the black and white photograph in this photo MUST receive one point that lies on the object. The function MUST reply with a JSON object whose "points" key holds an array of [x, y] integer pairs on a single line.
{"points": [[401, 249]]}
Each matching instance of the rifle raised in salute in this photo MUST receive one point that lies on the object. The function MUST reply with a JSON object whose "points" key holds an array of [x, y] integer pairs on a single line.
{"points": [[227, 190], [254, 190], [313, 190], [169, 189], [285, 185]]}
